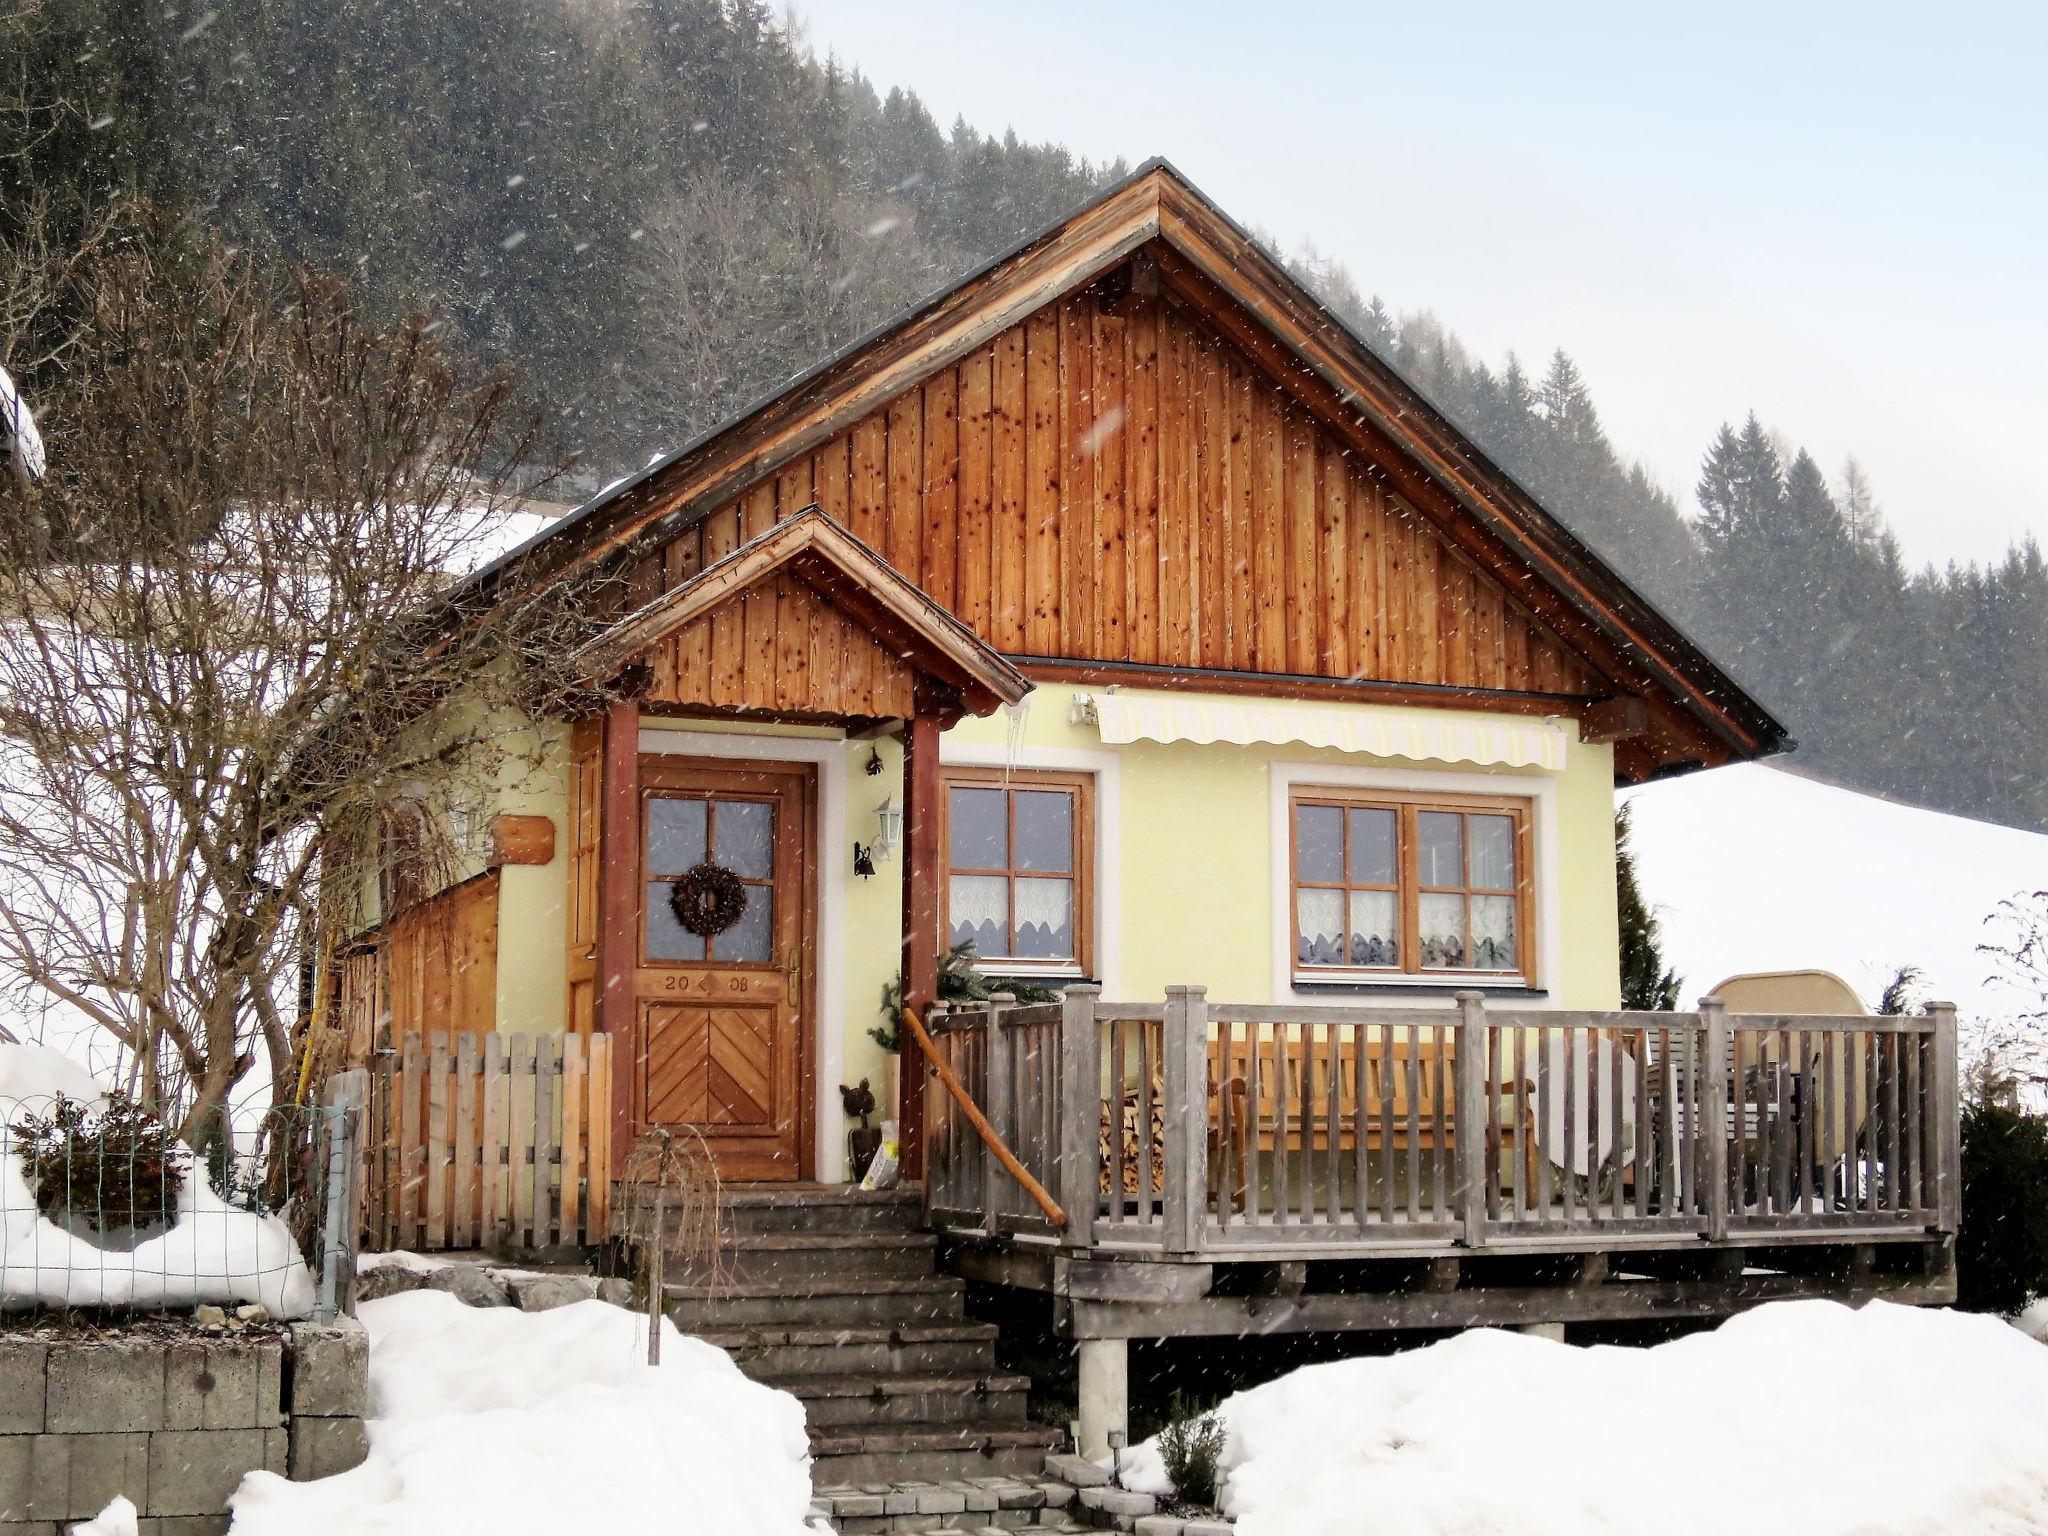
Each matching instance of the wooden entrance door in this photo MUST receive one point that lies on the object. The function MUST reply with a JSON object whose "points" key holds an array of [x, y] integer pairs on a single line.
{"points": [[723, 1020]]}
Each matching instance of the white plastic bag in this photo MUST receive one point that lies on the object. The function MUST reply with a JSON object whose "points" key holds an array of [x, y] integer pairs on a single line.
{"points": [[888, 1161]]}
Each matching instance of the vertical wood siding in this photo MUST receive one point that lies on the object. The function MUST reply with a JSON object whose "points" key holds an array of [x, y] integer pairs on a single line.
{"points": [[1121, 487]]}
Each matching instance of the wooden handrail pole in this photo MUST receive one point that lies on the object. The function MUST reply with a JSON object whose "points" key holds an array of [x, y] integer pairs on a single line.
{"points": [[979, 1121]]}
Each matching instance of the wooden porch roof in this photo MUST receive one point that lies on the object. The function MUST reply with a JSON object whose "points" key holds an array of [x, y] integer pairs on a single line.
{"points": [[834, 629]]}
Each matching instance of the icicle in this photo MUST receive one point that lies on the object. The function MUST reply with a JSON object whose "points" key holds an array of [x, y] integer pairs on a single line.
{"points": [[1015, 717]]}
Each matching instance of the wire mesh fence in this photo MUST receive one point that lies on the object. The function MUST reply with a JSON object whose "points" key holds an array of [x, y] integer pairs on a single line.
{"points": [[103, 1210]]}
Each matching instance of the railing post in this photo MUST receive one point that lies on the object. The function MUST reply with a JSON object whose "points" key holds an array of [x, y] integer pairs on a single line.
{"points": [[1713, 1116], [1471, 1132], [1948, 1090], [1186, 1050], [1080, 1150], [995, 1101], [932, 1121]]}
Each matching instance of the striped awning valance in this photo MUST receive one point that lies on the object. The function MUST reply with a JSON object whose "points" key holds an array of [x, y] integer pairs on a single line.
{"points": [[1422, 735]]}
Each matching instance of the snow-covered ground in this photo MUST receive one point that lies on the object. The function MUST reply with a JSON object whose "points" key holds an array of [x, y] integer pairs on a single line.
{"points": [[1752, 868], [490, 1419], [1801, 1418]]}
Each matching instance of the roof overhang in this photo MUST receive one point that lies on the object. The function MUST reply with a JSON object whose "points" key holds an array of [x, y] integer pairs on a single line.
{"points": [[813, 548]]}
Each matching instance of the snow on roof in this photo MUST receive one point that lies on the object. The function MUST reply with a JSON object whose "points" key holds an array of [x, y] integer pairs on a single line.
{"points": [[1752, 868], [18, 435]]}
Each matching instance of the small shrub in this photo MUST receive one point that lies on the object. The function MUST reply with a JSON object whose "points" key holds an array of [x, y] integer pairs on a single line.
{"points": [[2002, 1249], [1191, 1446], [112, 1169]]}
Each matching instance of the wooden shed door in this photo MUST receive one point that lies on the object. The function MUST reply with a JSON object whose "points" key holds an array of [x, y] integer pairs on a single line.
{"points": [[723, 1019]]}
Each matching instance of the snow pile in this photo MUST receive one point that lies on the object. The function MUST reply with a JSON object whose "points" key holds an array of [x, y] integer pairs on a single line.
{"points": [[1805, 1418], [212, 1253], [1751, 868], [493, 1419]]}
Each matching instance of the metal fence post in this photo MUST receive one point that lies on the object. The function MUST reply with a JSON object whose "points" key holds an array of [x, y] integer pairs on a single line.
{"points": [[1080, 1150], [1948, 1088], [341, 1113], [1713, 1112], [1185, 1048], [1472, 1133]]}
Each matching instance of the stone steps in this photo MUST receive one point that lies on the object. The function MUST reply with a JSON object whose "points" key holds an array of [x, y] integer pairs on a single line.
{"points": [[753, 1258], [845, 1454], [770, 1353], [881, 1397], [834, 1295], [849, 1301]]}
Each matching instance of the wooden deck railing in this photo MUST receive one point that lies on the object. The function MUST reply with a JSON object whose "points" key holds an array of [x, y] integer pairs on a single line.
{"points": [[499, 1141], [1190, 1127]]}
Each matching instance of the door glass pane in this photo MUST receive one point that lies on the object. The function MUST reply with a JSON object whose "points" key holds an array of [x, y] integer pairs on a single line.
{"points": [[675, 835], [1493, 852], [1045, 830], [976, 829], [978, 908], [745, 838], [1372, 847], [1045, 919], [1440, 849], [1493, 933], [751, 940], [1443, 931], [1319, 927], [668, 939], [1319, 844], [1375, 928]]}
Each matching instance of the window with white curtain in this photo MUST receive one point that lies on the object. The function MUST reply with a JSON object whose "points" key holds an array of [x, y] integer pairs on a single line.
{"points": [[1017, 864]]}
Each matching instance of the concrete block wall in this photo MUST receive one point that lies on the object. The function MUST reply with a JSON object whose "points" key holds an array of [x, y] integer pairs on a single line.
{"points": [[173, 1423]]}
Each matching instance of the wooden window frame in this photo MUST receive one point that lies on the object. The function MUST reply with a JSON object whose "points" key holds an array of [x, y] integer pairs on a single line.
{"points": [[1082, 786], [1408, 885], [652, 790]]}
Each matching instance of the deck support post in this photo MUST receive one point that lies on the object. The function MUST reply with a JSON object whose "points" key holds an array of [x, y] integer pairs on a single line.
{"points": [[1948, 1118], [1185, 1048], [1080, 1109], [1105, 1392], [1713, 1113], [1474, 1137]]}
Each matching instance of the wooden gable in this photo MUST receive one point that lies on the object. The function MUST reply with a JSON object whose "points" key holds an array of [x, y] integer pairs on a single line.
{"points": [[780, 647], [803, 619], [1119, 483]]}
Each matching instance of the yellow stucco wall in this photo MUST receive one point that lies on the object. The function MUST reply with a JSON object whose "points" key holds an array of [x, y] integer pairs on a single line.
{"points": [[1194, 840], [1191, 838]]}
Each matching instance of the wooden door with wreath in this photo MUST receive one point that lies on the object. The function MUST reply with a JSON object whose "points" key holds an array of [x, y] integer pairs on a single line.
{"points": [[722, 985]]}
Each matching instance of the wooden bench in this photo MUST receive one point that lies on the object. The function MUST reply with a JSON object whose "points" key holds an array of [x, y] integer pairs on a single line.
{"points": [[1387, 1122]]}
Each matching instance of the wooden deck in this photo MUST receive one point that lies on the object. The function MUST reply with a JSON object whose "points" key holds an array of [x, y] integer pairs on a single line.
{"points": [[1225, 1168]]}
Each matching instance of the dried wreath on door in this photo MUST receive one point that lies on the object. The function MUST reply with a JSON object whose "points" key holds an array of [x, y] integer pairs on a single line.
{"points": [[708, 899]]}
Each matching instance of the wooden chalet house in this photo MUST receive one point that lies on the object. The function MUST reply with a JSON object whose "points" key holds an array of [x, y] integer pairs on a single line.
{"points": [[1120, 611]]}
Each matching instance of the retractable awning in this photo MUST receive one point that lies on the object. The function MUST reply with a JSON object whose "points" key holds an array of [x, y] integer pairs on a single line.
{"points": [[1424, 735]]}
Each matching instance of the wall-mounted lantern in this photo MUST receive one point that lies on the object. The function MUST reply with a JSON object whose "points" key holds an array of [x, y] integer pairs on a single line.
{"points": [[888, 838]]}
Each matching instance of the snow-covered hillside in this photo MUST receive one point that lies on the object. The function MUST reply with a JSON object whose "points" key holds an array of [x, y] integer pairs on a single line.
{"points": [[1752, 868]]}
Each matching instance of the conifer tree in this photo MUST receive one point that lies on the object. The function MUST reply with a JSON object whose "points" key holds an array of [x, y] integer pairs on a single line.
{"points": [[1646, 982]]}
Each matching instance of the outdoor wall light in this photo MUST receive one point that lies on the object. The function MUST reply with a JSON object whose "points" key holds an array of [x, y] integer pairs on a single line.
{"points": [[888, 837]]}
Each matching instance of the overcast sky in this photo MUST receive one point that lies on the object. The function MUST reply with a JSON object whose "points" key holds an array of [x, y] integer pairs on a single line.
{"points": [[1834, 215]]}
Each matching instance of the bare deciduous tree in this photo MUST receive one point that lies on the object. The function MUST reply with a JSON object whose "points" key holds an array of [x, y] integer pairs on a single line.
{"points": [[226, 645]]}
